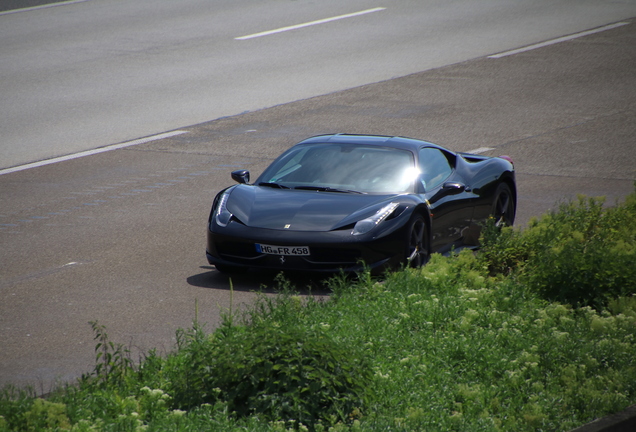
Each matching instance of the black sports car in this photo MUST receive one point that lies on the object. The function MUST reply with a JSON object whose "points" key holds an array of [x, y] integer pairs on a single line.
{"points": [[340, 202]]}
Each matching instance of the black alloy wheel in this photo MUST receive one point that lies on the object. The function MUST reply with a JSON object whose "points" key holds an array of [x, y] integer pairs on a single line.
{"points": [[417, 252], [503, 208]]}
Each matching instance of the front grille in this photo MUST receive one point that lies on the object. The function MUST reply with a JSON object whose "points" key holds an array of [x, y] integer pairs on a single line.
{"points": [[243, 250], [331, 255]]}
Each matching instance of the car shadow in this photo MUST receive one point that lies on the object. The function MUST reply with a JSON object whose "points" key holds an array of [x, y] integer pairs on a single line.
{"points": [[261, 281]]}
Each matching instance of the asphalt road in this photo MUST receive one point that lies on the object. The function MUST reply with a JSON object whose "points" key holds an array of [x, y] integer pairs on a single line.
{"points": [[79, 75], [119, 237]]}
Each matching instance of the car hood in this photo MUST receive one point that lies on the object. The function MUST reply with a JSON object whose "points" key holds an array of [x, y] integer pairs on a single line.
{"points": [[300, 210]]}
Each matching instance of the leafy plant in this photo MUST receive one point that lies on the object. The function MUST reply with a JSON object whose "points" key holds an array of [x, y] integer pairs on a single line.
{"points": [[582, 254], [46, 415], [112, 361], [277, 372], [14, 404]]}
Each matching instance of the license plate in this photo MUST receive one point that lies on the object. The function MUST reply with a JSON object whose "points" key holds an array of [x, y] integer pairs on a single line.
{"points": [[282, 250]]}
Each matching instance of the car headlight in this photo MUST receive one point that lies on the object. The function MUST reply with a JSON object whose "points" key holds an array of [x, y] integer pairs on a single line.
{"points": [[222, 215], [365, 225]]}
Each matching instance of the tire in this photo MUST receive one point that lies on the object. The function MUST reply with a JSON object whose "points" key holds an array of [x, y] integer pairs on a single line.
{"points": [[417, 243], [503, 206]]}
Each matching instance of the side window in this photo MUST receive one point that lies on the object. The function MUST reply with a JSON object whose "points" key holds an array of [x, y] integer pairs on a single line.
{"points": [[435, 167], [286, 166]]}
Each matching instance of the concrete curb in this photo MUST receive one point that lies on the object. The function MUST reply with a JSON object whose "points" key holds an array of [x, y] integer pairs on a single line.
{"points": [[624, 421]]}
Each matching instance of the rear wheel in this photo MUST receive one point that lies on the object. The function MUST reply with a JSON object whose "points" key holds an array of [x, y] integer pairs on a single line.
{"points": [[503, 207], [417, 247]]}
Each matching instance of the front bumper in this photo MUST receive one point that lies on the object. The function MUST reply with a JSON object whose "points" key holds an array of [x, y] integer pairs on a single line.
{"points": [[330, 251]]}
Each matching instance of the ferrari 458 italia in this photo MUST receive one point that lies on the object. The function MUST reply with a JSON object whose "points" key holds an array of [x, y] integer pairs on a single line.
{"points": [[343, 202]]}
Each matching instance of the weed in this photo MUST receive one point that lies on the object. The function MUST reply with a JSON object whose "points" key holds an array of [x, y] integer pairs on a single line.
{"points": [[582, 254], [112, 361], [278, 370]]}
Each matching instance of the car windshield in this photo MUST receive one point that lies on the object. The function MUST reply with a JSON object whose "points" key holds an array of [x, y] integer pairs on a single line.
{"points": [[343, 168]]}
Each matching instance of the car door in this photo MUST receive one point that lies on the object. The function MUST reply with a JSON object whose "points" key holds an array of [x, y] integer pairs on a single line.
{"points": [[447, 196]]}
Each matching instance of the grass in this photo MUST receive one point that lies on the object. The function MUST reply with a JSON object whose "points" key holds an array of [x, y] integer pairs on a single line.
{"points": [[468, 343]]}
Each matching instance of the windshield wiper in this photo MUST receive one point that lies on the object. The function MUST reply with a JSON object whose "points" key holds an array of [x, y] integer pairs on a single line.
{"points": [[327, 189], [273, 185]]}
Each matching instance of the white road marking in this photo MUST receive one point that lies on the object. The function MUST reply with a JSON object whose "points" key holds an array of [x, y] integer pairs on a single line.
{"points": [[46, 6], [480, 150], [91, 152], [557, 40], [311, 23]]}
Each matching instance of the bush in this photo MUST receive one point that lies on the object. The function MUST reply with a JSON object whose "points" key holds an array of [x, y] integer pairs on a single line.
{"points": [[583, 254], [275, 370], [14, 405]]}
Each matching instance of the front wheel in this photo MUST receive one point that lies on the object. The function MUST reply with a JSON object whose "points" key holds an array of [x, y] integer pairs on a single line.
{"points": [[417, 244], [503, 207]]}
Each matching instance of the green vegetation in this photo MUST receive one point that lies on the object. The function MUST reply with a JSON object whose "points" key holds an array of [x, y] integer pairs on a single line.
{"points": [[536, 332], [582, 255]]}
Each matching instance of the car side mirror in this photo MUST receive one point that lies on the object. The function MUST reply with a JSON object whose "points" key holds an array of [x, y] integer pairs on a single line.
{"points": [[452, 188], [241, 176], [448, 189]]}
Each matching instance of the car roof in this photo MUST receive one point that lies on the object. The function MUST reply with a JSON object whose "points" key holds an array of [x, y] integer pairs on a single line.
{"points": [[374, 140]]}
